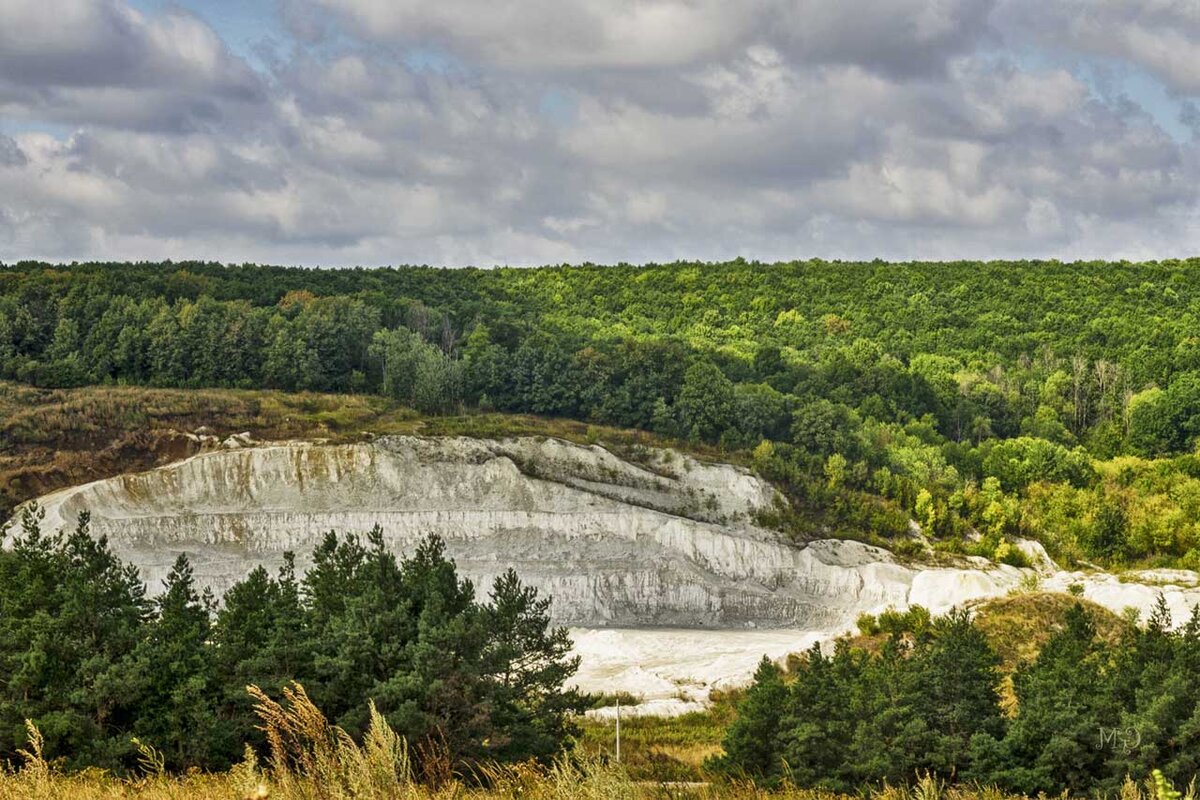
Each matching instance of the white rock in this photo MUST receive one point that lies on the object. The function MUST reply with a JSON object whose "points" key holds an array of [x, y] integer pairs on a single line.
{"points": [[613, 542]]}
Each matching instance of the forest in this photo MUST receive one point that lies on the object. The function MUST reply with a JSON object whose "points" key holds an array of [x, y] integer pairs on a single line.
{"points": [[100, 667], [1083, 716], [1046, 400], [985, 401]]}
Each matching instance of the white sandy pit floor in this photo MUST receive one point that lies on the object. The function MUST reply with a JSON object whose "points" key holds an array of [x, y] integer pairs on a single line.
{"points": [[673, 669]]}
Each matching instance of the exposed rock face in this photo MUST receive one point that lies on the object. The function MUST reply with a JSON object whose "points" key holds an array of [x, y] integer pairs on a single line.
{"points": [[668, 542], [671, 542]]}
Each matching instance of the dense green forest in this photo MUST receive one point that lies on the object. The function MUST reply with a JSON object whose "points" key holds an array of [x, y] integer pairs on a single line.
{"points": [[1088, 712], [985, 400], [99, 666]]}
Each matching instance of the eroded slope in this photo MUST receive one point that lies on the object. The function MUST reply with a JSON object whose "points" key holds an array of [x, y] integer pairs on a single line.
{"points": [[670, 541]]}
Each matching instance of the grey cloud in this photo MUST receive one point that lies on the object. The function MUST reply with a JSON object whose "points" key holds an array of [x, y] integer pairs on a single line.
{"points": [[1162, 36], [769, 129], [897, 37], [106, 43], [900, 36], [11, 154], [100, 61]]}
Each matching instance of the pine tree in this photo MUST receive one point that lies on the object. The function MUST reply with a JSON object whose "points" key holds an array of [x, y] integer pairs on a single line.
{"points": [[436, 696], [1054, 742], [1157, 686], [958, 676], [178, 715], [259, 639], [752, 743], [526, 664], [891, 738], [70, 616], [818, 726]]}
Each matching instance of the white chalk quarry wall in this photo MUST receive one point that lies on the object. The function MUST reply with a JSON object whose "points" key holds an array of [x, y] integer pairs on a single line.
{"points": [[668, 542], [615, 543]]}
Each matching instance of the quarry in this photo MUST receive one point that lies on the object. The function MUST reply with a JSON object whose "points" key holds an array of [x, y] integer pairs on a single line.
{"points": [[655, 559]]}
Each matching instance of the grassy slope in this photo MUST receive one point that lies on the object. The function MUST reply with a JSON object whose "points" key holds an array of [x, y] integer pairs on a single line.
{"points": [[662, 749], [1019, 625]]}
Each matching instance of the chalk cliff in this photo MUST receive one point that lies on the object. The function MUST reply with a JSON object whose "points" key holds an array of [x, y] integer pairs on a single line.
{"points": [[668, 540], [665, 540]]}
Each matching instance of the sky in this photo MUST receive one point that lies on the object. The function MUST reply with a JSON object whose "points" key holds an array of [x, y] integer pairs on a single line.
{"points": [[475, 132]]}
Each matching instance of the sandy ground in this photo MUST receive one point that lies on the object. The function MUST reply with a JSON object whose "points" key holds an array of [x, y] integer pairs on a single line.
{"points": [[674, 669]]}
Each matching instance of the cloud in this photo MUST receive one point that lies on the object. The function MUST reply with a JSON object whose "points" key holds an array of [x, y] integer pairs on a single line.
{"points": [[11, 154], [1162, 36], [460, 133], [902, 36], [101, 61]]}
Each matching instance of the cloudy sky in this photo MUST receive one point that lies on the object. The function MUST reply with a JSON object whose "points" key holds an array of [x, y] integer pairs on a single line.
{"points": [[458, 132]]}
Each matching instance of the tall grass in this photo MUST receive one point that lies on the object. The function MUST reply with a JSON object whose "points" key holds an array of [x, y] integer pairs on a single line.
{"points": [[309, 758]]}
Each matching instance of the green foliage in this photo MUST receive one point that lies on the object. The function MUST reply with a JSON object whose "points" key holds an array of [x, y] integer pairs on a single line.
{"points": [[96, 665], [705, 406], [928, 379], [1085, 711], [416, 373], [1016, 463], [750, 738]]}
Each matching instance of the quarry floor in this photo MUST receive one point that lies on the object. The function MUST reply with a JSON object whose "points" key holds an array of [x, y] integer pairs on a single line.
{"points": [[673, 670]]}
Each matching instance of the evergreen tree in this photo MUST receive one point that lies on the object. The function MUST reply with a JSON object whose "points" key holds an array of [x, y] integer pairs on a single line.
{"points": [[891, 738], [259, 639], [818, 729], [436, 697], [752, 740], [958, 676], [71, 614], [526, 664], [178, 715], [1054, 742]]}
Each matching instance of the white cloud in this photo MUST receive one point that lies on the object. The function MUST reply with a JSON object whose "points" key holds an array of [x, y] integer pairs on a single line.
{"points": [[772, 128]]}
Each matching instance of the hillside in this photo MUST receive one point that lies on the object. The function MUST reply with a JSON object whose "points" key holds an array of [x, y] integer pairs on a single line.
{"points": [[1019, 625], [1044, 400], [54, 438]]}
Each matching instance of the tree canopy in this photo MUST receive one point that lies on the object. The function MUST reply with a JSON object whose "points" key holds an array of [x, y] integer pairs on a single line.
{"points": [[1005, 398], [95, 663]]}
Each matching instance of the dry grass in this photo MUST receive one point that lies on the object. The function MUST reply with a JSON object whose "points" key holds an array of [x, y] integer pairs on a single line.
{"points": [[52, 438], [665, 748], [55, 438], [562, 781], [1019, 625]]}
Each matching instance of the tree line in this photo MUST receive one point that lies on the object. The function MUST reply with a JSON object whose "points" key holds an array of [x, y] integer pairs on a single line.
{"points": [[95, 662], [1047, 400], [1081, 717]]}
